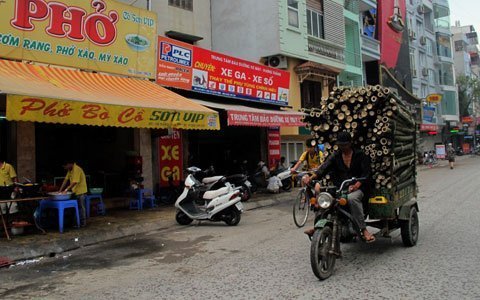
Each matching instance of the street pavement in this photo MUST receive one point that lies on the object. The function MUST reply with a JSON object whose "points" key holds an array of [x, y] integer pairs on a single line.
{"points": [[267, 257]]}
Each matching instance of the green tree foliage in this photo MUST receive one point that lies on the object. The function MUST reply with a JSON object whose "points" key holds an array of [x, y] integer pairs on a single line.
{"points": [[468, 92]]}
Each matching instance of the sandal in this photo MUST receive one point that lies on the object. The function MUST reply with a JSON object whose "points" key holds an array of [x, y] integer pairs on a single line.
{"points": [[370, 240]]}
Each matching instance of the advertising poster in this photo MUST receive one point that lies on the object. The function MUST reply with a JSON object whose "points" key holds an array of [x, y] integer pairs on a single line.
{"points": [[440, 151], [98, 35], [393, 34], [273, 146], [171, 158], [192, 68], [428, 113]]}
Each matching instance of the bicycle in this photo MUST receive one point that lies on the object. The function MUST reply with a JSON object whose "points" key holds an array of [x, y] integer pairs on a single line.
{"points": [[303, 204]]}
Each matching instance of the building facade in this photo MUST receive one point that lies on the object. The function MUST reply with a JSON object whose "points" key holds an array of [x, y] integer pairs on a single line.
{"points": [[305, 37]]}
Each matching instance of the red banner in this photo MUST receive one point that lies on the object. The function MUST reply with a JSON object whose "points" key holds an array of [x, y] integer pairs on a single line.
{"points": [[428, 127], [171, 158], [273, 147], [243, 118], [189, 67], [467, 119]]}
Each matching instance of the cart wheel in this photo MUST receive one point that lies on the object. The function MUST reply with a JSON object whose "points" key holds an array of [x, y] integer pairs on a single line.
{"points": [[409, 228]]}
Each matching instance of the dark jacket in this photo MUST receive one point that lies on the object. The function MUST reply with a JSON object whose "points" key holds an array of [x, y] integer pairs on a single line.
{"points": [[359, 167]]}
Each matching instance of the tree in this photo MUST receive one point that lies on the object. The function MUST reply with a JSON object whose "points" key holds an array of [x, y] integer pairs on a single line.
{"points": [[468, 93]]}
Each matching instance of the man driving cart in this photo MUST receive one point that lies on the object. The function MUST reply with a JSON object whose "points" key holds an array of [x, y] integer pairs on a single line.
{"points": [[344, 164]]}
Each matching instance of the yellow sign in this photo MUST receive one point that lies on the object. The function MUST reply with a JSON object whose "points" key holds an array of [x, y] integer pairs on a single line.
{"points": [[99, 35], [434, 98], [25, 108]]}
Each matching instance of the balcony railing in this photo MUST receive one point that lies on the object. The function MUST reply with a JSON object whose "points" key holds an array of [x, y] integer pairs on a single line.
{"points": [[318, 47], [352, 6], [439, 23], [369, 44]]}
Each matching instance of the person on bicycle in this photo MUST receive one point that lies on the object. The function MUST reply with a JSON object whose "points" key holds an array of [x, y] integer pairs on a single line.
{"points": [[346, 164], [312, 157]]}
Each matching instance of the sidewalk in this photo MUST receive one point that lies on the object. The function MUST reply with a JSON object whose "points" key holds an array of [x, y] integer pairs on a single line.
{"points": [[116, 224], [444, 163]]}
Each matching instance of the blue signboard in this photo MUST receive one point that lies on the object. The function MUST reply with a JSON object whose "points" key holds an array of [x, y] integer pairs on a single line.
{"points": [[429, 113]]}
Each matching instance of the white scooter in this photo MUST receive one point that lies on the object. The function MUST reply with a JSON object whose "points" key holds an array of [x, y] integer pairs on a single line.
{"points": [[222, 204]]}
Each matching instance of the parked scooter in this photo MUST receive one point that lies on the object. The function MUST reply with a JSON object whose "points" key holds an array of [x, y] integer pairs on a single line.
{"points": [[259, 180], [241, 180], [223, 204], [210, 181]]}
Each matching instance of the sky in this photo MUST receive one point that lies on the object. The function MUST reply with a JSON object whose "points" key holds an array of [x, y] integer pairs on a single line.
{"points": [[467, 11]]}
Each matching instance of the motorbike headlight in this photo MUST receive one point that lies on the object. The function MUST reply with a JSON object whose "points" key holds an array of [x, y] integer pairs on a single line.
{"points": [[325, 200]]}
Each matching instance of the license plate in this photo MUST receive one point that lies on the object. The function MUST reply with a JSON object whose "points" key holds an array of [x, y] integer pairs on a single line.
{"points": [[239, 206], [321, 223]]}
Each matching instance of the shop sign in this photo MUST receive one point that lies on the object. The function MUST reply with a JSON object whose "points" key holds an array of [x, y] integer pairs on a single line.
{"points": [[434, 98], [99, 35], [467, 119], [428, 113], [440, 151], [171, 158], [273, 146], [189, 67], [242, 118], [428, 127], [25, 108]]}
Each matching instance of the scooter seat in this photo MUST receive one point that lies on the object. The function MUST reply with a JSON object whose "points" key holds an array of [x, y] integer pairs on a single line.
{"points": [[215, 193], [208, 180]]}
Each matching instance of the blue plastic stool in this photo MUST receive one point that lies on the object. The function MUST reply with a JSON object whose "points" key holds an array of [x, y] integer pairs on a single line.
{"points": [[61, 206], [143, 196], [100, 205], [147, 197], [136, 202]]}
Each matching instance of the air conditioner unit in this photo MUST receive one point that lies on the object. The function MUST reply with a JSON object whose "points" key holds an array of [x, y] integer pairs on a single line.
{"points": [[277, 61], [425, 72], [414, 73], [423, 40], [421, 9], [412, 34]]}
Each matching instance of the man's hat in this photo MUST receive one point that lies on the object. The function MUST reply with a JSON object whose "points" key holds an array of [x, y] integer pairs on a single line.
{"points": [[344, 138]]}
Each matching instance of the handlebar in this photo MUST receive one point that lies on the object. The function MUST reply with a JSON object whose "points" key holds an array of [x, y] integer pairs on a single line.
{"points": [[353, 179]]}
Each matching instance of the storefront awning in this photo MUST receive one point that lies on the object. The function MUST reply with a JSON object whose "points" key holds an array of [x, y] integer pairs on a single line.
{"points": [[57, 95], [239, 115], [316, 72]]}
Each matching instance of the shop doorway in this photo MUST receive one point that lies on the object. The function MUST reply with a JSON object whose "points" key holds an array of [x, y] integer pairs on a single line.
{"points": [[101, 151], [221, 148]]}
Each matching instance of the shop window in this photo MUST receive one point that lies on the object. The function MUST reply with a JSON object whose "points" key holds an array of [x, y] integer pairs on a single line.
{"points": [[311, 93], [293, 13], [444, 46], [183, 4], [292, 151]]}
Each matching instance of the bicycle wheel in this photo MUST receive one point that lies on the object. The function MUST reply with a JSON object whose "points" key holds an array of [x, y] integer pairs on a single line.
{"points": [[301, 208]]}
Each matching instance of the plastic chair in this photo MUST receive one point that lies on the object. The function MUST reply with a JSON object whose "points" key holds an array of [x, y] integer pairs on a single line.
{"points": [[61, 206], [100, 205]]}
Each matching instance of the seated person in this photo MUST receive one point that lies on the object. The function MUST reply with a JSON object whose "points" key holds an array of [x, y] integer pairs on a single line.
{"points": [[345, 164]]}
